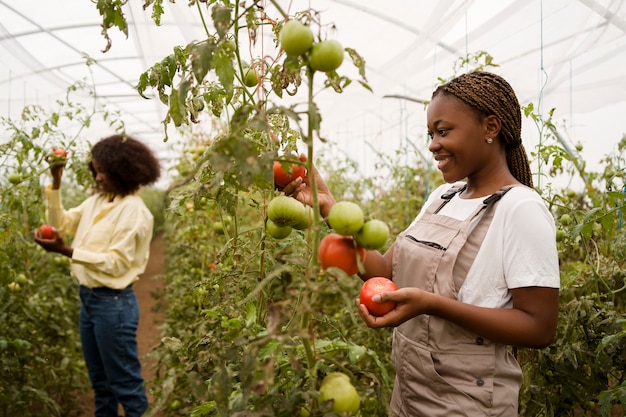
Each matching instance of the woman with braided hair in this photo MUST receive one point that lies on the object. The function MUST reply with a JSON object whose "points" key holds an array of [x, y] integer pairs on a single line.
{"points": [[477, 270]]}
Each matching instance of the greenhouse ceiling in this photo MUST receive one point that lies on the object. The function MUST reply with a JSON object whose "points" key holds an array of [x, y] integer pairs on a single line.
{"points": [[565, 55]]}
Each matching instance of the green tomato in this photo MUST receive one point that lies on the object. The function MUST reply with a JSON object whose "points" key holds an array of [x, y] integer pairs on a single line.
{"points": [[250, 78], [326, 56], [346, 218], [276, 231], [373, 234], [21, 279], [285, 211], [306, 220], [175, 404], [565, 219], [218, 227], [295, 38], [337, 387], [14, 286], [15, 178]]}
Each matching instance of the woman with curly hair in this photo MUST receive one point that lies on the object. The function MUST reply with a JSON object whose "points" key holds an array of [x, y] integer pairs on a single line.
{"points": [[111, 233]]}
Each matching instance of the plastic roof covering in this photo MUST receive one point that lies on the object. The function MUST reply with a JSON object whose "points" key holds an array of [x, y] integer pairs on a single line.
{"points": [[563, 54]]}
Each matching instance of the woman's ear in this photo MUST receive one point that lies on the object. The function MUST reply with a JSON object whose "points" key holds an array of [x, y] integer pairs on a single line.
{"points": [[492, 126]]}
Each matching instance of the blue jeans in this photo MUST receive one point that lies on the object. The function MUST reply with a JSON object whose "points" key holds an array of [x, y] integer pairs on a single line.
{"points": [[108, 329]]}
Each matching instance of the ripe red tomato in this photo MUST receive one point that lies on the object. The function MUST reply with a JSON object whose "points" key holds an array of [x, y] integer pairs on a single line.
{"points": [[282, 178], [60, 152], [340, 251], [46, 232], [370, 288]]}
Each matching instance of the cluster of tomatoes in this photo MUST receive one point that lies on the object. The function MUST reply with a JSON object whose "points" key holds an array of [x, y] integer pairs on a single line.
{"points": [[297, 39], [352, 235]]}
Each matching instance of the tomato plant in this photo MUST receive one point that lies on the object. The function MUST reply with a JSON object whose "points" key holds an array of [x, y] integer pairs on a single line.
{"points": [[373, 234], [46, 232], [370, 288], [346, 218], [285, 211], [336, 387], [340, 251], [282, 178], [295, 38], [326, 56]]}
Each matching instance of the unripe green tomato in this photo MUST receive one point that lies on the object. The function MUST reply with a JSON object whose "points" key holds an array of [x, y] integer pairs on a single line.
{"points": [[250, 78], [15, 178], [285, 211], [338, 388], [218, 227], [326, 56], [346, 218], [276, 231], [14, 286], [373, 234], [306, 220], [21, 279], [295, 38]]}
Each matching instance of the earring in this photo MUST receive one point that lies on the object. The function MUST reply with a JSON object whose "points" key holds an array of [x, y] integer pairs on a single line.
{"points": [[489, 140]]}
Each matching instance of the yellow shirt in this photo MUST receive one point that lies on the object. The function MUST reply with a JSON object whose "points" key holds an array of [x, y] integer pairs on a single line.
{"points": [[111, 239]]}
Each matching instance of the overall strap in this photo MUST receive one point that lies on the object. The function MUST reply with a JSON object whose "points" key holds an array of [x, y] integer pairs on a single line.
{"points": [[447, 196], [468, 253]]}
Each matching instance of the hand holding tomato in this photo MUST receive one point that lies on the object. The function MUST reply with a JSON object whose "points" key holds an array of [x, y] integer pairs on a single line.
{"points": [[48, 238], [45, 232], [282, 177], [410, 302], [300, 189]]}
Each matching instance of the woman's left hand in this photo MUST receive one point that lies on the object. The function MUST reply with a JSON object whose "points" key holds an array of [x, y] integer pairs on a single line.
{"points": [[56, 244]]}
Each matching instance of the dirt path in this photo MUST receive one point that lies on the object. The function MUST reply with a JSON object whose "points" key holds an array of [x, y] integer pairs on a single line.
{"points": [[151, 316]]}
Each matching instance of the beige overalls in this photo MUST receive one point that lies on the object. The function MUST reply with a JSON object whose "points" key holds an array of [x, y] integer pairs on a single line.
{"points": [[441, 368]]}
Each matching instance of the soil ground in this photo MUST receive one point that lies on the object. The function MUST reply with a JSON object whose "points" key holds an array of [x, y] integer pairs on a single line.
{"points": [[151, 316]]}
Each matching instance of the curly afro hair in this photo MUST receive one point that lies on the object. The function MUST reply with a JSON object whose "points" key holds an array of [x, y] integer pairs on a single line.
{"points": [[127, 162]]}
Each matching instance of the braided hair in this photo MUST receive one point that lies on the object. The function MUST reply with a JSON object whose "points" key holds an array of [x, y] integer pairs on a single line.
{"points": [[489, 94]]}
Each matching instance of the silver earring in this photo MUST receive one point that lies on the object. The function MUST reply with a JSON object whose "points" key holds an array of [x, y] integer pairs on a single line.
{"points": [[489, 140]]}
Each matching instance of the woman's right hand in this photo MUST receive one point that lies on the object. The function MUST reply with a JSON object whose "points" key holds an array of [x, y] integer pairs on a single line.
{"points": [[301, 189], [56, 170]]}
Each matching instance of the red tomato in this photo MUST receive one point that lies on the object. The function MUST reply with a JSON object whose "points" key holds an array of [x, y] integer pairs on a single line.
{"points": [[46, 232], [340, 251], [370, 288], [282, 178], [60, 152]]}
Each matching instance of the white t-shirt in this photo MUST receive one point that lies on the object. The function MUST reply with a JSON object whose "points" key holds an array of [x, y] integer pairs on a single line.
{"points": [[519, 249]]}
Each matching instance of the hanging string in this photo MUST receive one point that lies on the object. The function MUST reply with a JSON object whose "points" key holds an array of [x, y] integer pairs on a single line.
{"points": [[544, 81]]}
